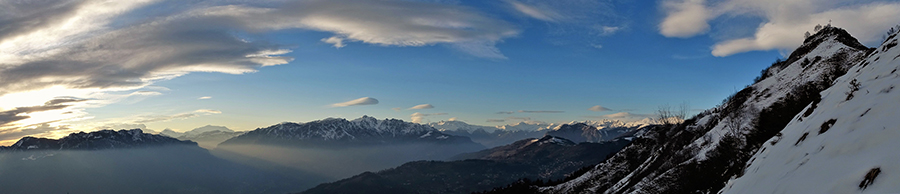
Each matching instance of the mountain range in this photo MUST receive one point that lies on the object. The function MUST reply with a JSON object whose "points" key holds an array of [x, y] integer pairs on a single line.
{"points": [[545, 158], [128, 161], [206, 136]]}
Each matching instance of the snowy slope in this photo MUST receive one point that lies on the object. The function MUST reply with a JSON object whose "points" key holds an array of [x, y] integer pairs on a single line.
{"points": [[717, 143], [831, 149]]}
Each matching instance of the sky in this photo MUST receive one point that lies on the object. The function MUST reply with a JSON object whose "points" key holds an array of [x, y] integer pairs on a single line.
{"points": [[68, 66]]}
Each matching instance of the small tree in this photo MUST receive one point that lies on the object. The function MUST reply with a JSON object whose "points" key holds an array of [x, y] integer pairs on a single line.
{"points": [[818, 27], [806, 35], [666, 116]]}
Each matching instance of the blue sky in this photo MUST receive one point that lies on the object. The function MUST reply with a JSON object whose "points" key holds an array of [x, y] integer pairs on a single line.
{"points": [[147, 64]]}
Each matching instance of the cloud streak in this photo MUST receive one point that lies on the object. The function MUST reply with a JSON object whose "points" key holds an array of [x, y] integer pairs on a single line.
{"points": [[20, 113], [163, 118], [543, 13], [418, 117], [357, 102], [540, 111], [421, 106], [599, 108]]}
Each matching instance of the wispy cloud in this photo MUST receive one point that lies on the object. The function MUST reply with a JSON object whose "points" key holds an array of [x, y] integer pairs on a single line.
{"points": [[21, 113], [624, 116], [208, 111], [421, 106], [506, 112], [419, 117], [18, 133], [205, 98], [334, 40], [357, 102], [540, 111], [540, 13], [163, 118], [599, 108], [495, 120]]}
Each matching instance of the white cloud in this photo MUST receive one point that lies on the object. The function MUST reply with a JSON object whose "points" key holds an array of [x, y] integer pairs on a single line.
{"points": [[421, 106], [542, 13], [626, 116], [684, 18], [334, 40], [784, 21], [599, 108], [453, 119], [609, 30], [386, 23], [418, 117], [540, 111], [208, 111], [357, 102], [397, 109], [204, 98]]}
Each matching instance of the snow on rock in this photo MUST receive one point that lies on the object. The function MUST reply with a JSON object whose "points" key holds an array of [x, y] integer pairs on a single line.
{"points": [[668, 158], [850, 132]]}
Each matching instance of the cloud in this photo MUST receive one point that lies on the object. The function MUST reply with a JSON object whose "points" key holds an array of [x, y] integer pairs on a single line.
{"points": [[505, 112], [357, 102], [14, 134], [128, 57], [386, 23], [783, 21], [453, 119], [205, 98], [334, 40], [418, 117], [599, 108], [120, 126], [542, 13], [624, 116], [397, 109], [101, 49], [495, 120], [208, 111], [540, 111], [163, 118], [608, 30], [421, 106], [685, 18], [21, 113], [519, 118]]}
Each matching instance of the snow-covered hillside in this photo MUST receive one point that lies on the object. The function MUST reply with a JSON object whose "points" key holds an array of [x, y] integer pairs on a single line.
{"points": [[833, 146], [717, 144]]}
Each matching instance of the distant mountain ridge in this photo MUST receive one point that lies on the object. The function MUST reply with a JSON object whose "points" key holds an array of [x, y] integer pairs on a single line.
{"points": [[206, 136], [336, 132], [595, 131], [104, 139]]}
